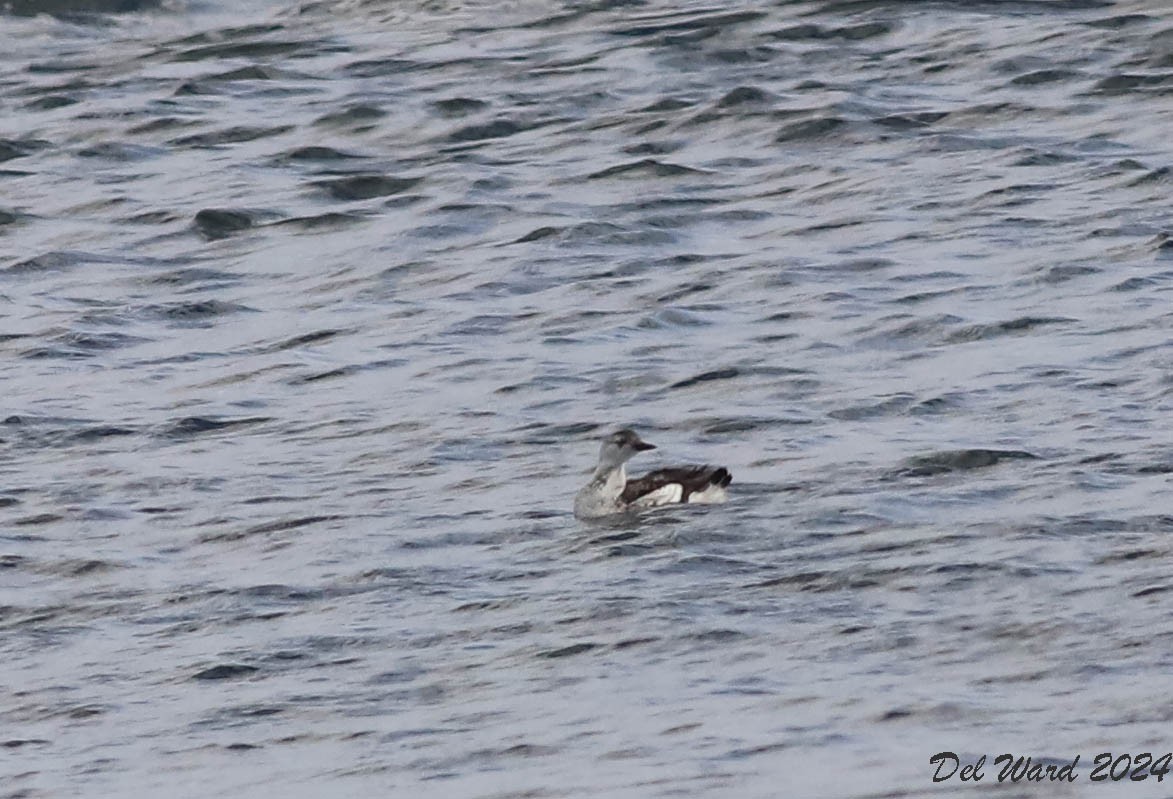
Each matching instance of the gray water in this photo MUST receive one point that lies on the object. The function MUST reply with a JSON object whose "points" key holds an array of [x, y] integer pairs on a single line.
{"points": [[312, 316]]}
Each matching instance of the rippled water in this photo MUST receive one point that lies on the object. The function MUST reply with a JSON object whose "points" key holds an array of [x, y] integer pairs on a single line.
{"points": [[312, 316]]}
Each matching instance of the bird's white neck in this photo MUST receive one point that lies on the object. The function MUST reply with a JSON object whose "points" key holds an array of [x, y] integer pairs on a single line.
{"points": [[611, 479]]}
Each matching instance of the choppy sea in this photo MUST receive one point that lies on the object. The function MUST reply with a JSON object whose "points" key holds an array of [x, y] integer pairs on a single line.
{"points": [[312, 315]]}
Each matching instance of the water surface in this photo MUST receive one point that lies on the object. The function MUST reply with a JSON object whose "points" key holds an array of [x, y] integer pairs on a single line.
{"points": [[312, 316]]}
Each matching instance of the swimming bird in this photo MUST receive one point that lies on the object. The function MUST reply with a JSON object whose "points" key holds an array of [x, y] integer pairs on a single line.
{"points": [[610, 492]]}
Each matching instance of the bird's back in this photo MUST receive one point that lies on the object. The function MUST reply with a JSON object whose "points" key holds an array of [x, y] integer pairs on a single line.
{"points": [[680, 484]]}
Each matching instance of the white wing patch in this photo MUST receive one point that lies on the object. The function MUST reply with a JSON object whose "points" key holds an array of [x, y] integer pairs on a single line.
{"points": [[664, 495], [712, 495]]}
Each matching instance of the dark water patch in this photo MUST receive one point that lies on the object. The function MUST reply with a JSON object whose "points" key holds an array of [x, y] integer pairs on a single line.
{"points": [[541, 433], [1065, 272], [344, 371], [333, 220], [1132, 555], [537, 234], [1152, 591], [784, 316], [959, 460], [887, 407], [101, 433], [484, 604], [278, 526], [614, 538], [119, 151], [159, 510], [807, 129], [196, 88], [225, 671], [382, 67], [1136, 284], [517, 750], [718, 636], [365, 187], [1016, 195], [54, 354], [743, 96], [484, 325], [162, 124], [1045, 76], [220, 223], [243, 50], [706, 377], [279, 592], [910, 121], [497, 129], [686, 291], [1160, 467], [268, 499], [1024, 324], [706, 564], [304, 339], [945, 403], [812, 32], [1042, 158], [237, 134], [1119, 21], [58, 66], [79, 567], [984, 114], [1115, 85], [629, 643], [992, 7], [249, 73], [568, 651], [361, 115], [255, 711], [819, 581], [745, 424], [187, 277], [51, 102], [329, 374], [459, 106], [8, 217], [37, 520], [82, 345], [151, 218], [923, 296], [647, 167], [19, 148], [200, 425], [697, 21], [55, 261], [317, 153], [1159, 175], [668, 104], [218, 35], [860, 265], [195, 311]]}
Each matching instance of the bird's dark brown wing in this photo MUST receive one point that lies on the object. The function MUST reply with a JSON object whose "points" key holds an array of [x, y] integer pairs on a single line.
{"points": [[690, 478]]}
